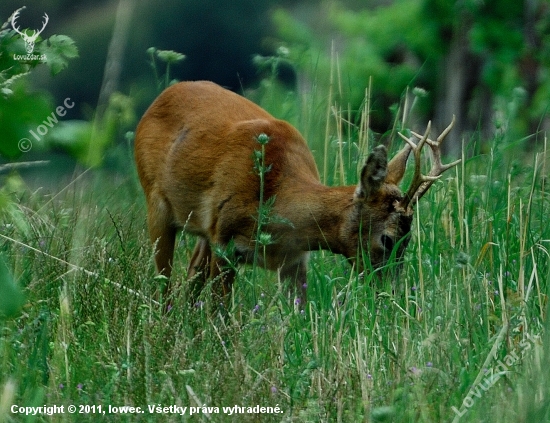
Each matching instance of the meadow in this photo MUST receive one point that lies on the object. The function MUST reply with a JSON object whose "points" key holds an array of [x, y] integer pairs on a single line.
{"points": [[458, 335]]}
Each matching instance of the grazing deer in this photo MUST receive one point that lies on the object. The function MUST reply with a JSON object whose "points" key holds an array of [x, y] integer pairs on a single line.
{"points": [[194, 151], [29, 40]]}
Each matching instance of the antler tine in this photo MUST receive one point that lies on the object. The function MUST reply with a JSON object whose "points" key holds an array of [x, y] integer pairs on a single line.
{"points": [[421, 183], [437, 167]]}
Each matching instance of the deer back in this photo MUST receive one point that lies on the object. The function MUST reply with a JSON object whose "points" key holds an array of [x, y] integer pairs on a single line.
{"points": [[194, 148]]}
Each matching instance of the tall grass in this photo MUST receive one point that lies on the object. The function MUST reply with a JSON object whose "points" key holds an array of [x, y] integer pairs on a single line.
{"points": [[471, 297]]}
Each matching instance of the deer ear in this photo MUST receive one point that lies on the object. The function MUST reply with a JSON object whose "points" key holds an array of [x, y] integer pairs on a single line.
{"points": [[397, 165], [373, 173]]}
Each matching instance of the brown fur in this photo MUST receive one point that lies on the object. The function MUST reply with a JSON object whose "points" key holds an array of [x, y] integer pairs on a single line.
{"points": [[193, 150]]}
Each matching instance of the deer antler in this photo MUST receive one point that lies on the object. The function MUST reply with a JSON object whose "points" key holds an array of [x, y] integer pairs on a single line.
{"points": [[46, 20], [421, 183], [14, 18], [36, 32]]}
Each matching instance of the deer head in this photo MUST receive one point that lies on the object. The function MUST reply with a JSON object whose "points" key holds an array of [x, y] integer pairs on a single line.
{"points": [[382, 215], [29, 40]]}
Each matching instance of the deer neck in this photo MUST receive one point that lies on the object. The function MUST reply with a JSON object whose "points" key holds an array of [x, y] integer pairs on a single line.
{"points": [[319, 215]]}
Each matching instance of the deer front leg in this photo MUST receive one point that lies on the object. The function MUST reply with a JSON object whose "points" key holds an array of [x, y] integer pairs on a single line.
{"points": [[222, 277], [199, 268], [205, 265], [296, 273]]}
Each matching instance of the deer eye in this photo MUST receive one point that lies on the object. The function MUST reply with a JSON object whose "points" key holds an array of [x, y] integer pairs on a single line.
{"points": [[387, 242]]}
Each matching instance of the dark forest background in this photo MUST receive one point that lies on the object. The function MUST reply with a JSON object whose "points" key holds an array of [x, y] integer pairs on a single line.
{"points": [[487, 62]]}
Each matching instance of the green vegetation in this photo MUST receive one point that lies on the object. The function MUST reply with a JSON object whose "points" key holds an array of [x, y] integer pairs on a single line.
{"points": [[460, 334], [167, 56], [471, 297], [484, 62], [22, 109], [28, 117]]}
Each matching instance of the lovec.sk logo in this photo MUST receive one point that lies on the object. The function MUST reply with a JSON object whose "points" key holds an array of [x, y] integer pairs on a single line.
{"points": [[29, 39]]}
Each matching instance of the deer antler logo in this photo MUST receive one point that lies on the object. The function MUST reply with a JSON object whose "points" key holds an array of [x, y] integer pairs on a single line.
{"points": [[29, 40]]}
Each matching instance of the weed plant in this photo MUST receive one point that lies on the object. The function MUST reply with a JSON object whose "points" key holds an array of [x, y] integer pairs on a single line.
{"points": [[458, 335]]}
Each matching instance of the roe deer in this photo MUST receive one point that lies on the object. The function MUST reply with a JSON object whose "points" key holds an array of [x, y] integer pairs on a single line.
{"points": [[194, 149]]}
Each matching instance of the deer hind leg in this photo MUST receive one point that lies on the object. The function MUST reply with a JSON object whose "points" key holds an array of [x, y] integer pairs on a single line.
{"points": [[162, 233]]}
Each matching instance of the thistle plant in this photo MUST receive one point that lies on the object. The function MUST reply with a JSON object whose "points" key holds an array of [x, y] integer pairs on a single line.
{"points": [[264, 207], [167, 56]]}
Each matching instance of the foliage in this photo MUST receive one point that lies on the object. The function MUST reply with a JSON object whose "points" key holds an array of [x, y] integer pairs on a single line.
{"points": [[23, 111], [169, 57], [58, 50], [20, 112], [504, 48], [54, 52], [277, 85], [462, 330], [20, 109], [472, 294], [12, 298], [89, 141]]}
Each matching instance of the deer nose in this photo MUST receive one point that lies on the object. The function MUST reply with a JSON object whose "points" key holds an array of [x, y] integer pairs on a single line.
{"points": [[388, 242]]}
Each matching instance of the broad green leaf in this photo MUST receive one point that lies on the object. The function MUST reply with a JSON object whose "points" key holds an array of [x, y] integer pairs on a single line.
{"points": [[58, 49]]}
